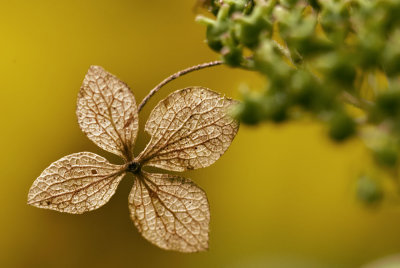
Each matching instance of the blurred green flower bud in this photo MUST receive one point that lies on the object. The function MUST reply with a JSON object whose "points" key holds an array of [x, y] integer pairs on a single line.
{"points": [[256, 107], [250, 110], [268, 59], [232, 56], [281, 14], [212, 5], [340, 68], [388, 104], [217, 29], [288, 3], [334, 20], [343, 72], [370, 48], [390, 14], [304, 29], [241, 5], [215, 33], [342, 126], [315, 4], [276, 106], [386, 155], [391, 55], [248, 28], [308, 93], [369, 190]]}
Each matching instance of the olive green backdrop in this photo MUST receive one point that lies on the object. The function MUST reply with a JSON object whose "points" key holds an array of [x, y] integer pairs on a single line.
{"points": [[281, 196]]}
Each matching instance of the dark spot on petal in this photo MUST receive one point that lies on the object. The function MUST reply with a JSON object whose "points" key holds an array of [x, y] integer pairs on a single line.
{"points": [[94, 171], [129, 121], [166, 102]]}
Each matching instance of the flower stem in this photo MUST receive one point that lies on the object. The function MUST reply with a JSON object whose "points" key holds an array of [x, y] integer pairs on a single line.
{"points": [[174, 76]]}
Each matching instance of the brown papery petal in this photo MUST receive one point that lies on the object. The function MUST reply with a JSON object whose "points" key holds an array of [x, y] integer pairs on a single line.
{"points": [[171, 212], [189, 129], [107, 112], [76, 183]]}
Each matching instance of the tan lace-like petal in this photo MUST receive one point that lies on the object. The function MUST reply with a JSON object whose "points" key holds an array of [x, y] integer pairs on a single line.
{"points": [[189, 129], [171, 212], [107, 112], [76, 183]]}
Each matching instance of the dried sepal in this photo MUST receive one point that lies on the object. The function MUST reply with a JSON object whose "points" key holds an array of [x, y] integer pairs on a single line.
{"points": [[76, 183], [107, 112], [189, 129], [171, 212]]}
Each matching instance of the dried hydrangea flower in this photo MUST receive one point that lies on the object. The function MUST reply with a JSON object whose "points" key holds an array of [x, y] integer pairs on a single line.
{"points": [[189, 129]]}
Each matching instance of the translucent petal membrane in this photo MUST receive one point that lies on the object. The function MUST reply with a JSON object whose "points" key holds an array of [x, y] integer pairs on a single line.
{"points": [[107, 112], [189, 129], [76, 183], [171, 212]]}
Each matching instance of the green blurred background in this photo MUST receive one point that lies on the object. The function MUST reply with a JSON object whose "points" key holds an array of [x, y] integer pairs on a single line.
{"points": [[282, 196]]}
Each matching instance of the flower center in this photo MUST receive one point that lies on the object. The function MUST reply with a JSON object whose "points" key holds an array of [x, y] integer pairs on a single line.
{"points": [[134, 167]]}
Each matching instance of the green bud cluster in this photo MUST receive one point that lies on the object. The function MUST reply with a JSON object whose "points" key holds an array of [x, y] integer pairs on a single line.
{"points": [[369, 190], [319, 58]]}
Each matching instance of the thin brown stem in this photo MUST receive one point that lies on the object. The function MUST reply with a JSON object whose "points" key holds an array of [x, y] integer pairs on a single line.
{"points": [[174, 76]]}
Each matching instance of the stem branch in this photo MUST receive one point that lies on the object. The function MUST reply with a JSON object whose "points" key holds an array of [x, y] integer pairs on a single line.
{"points": [[174, 76]]}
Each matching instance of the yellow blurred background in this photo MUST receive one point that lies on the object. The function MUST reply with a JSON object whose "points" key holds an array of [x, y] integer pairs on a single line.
{"points": [[282, 196]]}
